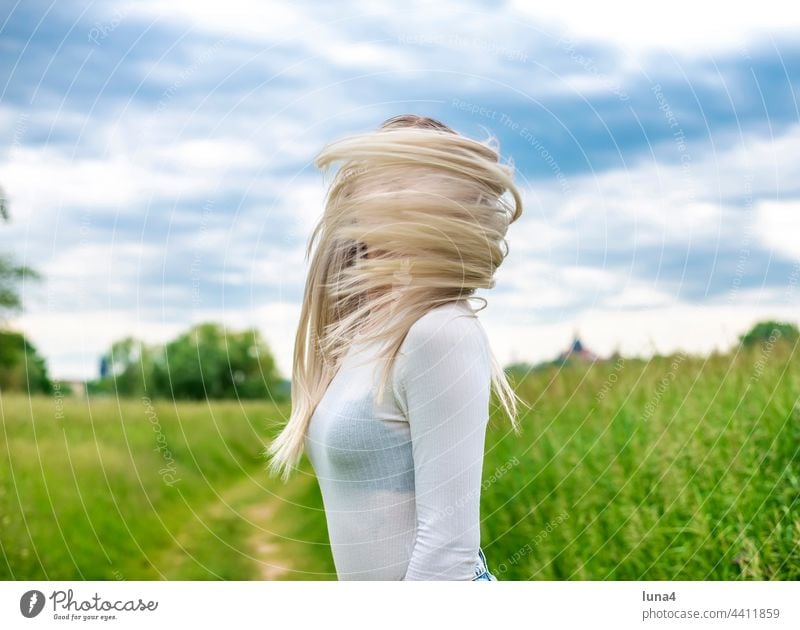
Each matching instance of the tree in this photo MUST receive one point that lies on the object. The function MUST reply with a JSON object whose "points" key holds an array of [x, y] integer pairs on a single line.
{"points": [[206, 361], [11, 274], [764, 332], [130, 367], [210, 362], [3, 205], [21, 367]]}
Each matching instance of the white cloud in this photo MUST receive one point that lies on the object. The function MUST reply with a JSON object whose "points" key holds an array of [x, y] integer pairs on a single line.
{"points": [[643, 332], [73, 341], [650, 204], [305, 25], [39, 181], [206, 156], [42, 181], [778, 226], [681, 25]]}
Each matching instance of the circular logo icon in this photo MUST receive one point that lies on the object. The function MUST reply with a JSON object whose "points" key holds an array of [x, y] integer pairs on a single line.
{"points": [[31, 603]]}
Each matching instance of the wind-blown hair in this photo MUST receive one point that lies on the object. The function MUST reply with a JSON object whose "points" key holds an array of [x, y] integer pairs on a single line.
{"points": [[415, 217]]}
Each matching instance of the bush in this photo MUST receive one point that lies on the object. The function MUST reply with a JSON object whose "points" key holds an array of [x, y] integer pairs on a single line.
{"points": [[763, 332], [21, 367]]}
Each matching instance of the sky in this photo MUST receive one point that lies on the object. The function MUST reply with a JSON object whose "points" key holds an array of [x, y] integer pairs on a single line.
{"points": [[158, 161]]}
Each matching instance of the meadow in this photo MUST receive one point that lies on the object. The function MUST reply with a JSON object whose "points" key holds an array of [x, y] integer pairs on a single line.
{"points": [[678, 467]]}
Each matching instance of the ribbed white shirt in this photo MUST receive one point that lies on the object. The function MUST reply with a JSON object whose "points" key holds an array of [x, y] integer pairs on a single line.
{"points": [[401, 480]]}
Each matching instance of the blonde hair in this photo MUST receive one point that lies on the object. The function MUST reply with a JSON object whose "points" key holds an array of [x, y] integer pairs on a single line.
{"points": [[415, 217]]}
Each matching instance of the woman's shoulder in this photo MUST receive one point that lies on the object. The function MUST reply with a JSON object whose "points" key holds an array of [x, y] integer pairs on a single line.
{"points": [[444, 326], [446, 344]]}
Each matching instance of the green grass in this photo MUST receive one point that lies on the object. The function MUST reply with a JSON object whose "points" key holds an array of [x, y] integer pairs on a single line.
{"points": [[119, 490], [676, 468]]}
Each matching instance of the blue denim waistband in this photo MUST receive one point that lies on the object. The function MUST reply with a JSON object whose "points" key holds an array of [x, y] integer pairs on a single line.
{"points": [[482, 568]]}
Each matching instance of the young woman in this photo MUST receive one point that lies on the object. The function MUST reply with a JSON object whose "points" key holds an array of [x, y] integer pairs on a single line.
{"points": [[415, 221]]}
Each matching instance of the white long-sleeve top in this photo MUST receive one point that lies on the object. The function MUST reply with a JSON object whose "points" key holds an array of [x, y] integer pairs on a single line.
{"points": [[401, 480]]}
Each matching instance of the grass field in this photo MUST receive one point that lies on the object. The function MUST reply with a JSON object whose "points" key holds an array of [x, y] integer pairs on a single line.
{"points": [[676, 468], [130, 489]]}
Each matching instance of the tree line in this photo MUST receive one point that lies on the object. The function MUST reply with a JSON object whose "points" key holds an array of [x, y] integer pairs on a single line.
{"points": [[206, 361]]}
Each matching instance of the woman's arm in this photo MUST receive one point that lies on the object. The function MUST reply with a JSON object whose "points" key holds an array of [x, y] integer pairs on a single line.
{"points": [[444, 387]]}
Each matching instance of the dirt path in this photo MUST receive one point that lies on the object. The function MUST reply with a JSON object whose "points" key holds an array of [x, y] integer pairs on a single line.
{"points": [[265, 545], [254, 510]]}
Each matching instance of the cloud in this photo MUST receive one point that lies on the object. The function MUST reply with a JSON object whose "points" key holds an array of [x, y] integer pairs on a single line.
{"points": [[778, 227], [317, 32], [692, 233], [680, 25], [159, 156], [691, 328]]}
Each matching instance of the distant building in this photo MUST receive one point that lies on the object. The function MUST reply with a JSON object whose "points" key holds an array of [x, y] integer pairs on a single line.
{"points": [[577, 352]]}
